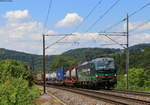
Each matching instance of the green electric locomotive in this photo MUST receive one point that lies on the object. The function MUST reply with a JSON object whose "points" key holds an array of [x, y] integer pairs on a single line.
{"points": [[97, 73]]}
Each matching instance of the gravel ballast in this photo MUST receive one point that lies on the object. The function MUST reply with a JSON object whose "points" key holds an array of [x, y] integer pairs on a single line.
{"points": [[74, 99], [146, 98]]}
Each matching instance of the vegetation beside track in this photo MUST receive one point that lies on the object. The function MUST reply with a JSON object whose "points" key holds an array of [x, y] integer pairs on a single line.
{"points": [[62, 61], [16, 86], [139, 71], [139, 80]]}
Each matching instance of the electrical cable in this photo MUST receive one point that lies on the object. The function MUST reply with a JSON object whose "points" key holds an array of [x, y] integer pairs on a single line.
{"points": [[114, 41], [110, 27], [132, 14], [78, 26], [102, 16], [47, 16], [86, 17], [140, 25], [138, 10]]}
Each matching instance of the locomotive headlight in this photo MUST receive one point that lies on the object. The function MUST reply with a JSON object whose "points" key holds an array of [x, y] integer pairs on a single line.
{"points": [[96, 75]]}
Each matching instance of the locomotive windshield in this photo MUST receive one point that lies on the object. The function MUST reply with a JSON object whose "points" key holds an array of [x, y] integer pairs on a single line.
{"points": [[104, 64]]}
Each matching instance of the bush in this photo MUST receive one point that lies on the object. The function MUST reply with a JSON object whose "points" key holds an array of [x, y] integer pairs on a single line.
{"points": [[121, 82], [16, 86], [12, 68], [17, 92], [138, 80]]}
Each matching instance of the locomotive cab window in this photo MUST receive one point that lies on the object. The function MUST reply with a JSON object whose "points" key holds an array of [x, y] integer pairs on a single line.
{"points": [[104, 64]]}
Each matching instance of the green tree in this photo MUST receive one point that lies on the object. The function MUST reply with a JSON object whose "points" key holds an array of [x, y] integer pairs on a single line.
{"points": [[138, 59], [62, 61], [12, 68], [16, 91], [139, 79], [16, 86], [121, 82]]}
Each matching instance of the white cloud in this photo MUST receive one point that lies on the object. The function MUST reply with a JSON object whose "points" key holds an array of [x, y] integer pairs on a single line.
{"points": [[138, 26], [26, 36], [17, 14], [23, 35], [22, 30], [51, 32], [82, 40], [71, 19], [139, 38]]}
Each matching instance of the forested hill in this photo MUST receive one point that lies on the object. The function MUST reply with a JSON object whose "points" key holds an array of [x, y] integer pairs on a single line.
{"points": [[11, 54], [139, 47], [35, 61], [82, 54], [20, 56]]}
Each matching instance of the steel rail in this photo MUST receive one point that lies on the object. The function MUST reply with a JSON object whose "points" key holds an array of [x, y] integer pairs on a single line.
{"points": [[132, 92], [111, 98]]}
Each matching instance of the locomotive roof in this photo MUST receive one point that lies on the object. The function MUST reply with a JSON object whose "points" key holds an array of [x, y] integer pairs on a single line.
{"points": [[96, 59], [84, 63]]}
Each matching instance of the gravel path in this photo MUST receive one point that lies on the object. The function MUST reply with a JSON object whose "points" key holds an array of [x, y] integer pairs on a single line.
{"points": [[73, 98], [48, 99]]}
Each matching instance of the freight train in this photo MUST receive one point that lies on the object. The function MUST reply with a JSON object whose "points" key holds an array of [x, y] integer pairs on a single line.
{"points": [[97, 73]]}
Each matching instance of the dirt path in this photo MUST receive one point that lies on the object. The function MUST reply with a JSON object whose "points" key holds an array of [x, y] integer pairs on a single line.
{"points": [[47, 99]]}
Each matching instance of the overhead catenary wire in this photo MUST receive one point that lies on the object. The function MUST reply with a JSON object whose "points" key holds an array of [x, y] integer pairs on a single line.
{"points": [[47, 16], [86, 17], [80, 42], [114, 41], [119, 22], [58, 40], [102, 16], [130, 15], [138, 10], [140, 25], [110, 27]]}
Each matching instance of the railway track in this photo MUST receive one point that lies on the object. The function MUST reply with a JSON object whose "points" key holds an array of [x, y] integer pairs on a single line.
{"points": [[132, 94], [110, 98], [128, 92]]}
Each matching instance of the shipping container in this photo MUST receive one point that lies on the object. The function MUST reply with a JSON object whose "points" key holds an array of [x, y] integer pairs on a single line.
{"points": [[60, 74], [53, 76], [74, 74], [47, 76], [68, 74]]}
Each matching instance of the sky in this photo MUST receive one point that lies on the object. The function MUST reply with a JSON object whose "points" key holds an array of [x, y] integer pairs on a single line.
{"points": [[22, 24]]}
